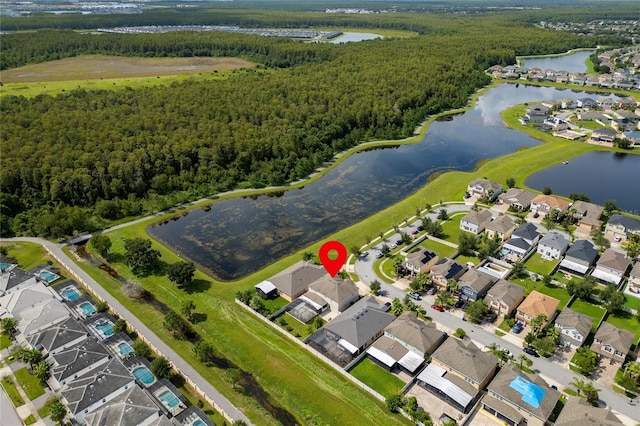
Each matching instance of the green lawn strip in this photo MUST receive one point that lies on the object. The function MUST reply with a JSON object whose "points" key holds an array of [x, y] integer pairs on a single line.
{"points": [[464, 259], [44, 411], [11, 390], [30, 384], [589, 309], [588, 124], [387, 268], [377, 378], [376, 268], [29, 255], [537, 264], [631, 301], [442, 249], [5, 341], [289, 373], [451, 227], [30, 420], [275, 304], [625, 321], [298, 329]]}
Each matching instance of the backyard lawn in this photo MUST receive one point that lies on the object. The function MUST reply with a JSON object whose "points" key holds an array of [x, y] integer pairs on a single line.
{"points": [[589, 309], [5, 341], [451, 227], [625, 321], [377, 378], [537, 264], [442, 250], [29, 255], [464, 259], [274, 304], [558, 292], [30, 384], [631, 301]]}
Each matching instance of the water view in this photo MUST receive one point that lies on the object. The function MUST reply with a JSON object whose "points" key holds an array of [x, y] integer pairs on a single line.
{"points": [[569, 63], [240, 236], [617, 181], [353, 37]]}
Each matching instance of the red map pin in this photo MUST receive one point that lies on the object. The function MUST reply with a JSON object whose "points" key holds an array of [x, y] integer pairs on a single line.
{"points": [[332, 265]]}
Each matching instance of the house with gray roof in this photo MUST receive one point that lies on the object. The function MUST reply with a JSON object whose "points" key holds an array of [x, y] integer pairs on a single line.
{"points": [[475, 222], [193, 416], [574, 327], [474, 284], [521, 242], [458, 372], [611, 267], [620, 226], [132, 407], [579, 257], [519, 199], [612, 342], [502, 226], [421, 260], [484, 188], [295, 280], [337, 292], [603, 134], [577, 412], [76, 361], [516, 397], [553, 245], [41, 317], [504, 297], [634, 280], [528, 232], [443, 271], [16, 279], [96, 388], [25, 298], [535, 113], [58, 337]]}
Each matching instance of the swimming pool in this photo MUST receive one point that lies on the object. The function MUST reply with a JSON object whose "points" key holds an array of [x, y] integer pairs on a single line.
{"points": [[169, 399], [48, 276], [144, 375], [125, 349], [105, 327], [87, 309], [70, 293], [4, 266], [198, 423]]}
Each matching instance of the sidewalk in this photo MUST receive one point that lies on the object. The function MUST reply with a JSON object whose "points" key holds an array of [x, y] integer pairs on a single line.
{"points": [[28, 408]]}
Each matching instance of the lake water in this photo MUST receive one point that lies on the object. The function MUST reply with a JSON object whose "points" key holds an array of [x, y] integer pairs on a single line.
{"points": [[243, 235], [352, 37], [601, 175], [569, 63]]}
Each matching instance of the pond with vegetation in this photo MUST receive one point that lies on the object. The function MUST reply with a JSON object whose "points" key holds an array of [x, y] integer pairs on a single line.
{"points": [[569, 63]]}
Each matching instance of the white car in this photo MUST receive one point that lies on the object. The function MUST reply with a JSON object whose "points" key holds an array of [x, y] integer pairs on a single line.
{"points": [[392, 246]]}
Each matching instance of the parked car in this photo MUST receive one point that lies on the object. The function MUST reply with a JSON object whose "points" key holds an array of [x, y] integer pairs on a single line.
{"points": [[459, 303], [536, 215], [387, 306], [467, 195], [420, 228], [398, 242], [364, 255], [431, 291], [414, 295], [437, 308], [379, 255], [414, 232], [531, 351], [392, 246], [491, 317], [518, 327]]}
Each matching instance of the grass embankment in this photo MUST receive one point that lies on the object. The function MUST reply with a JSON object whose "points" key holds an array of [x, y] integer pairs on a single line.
{"points": [[12, 392], [377, 378], [30, 384]]}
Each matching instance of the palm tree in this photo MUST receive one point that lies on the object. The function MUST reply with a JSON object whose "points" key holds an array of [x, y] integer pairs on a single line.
{"points": [[591, 393], [453, 285], [522, 358], [538, 323], [633, 370], [578, 384], [396, 307], [397, 263]]}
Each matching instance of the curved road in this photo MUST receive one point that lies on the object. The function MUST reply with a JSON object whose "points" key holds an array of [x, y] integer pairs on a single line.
{"points": [[187, 370]]}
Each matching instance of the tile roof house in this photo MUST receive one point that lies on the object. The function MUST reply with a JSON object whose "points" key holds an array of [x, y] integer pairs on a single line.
{"points": [[132, 407], [519, 199], [611, 267], [339, 293], [603, 134], [574, 327], [504, 297], [405, 343], [521, 242], [502, 226], [588, 216], [537, 304], [553, 245], [421, 260], [474, 284], [519, 398], [612, 342], [535, 114], [577, 412], [16, 279], [634, 279], [579, 257], [443, 271], [96, 388], [295, 280], [192, 415], [58, 337], [620, 226], [76, 361], [26, 298], [475, 222], [458, 372], [484, 188], [543, 204], [41, 317]]}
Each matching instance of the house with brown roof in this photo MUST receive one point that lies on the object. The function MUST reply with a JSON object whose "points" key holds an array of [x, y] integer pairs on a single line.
{"points": [[574, 327], [421, 260], [295, 280], [504, 297], [458, 372], [536, 304], [578, 412], [612, 342], [611, 267], [474, 284], [543, 204], [475, 222], [338, 293], [502, 226], [519, 199], [443, 271], [634, 279], [588, 216], [484, 188]]}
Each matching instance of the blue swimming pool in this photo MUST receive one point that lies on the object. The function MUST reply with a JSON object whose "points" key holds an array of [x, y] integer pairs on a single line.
{"points": [[105, 327], [125, 349], [70, 293], [4, 266], [87, 309], [144, 375], [48, 276], [169, 399], [198, 423]]}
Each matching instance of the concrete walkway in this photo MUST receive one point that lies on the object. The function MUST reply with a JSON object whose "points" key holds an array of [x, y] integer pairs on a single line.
{"points": [[10, 415], [221, 403]]}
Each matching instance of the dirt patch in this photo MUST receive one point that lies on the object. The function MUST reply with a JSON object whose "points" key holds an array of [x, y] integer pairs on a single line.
{"points": [[97, 67]]}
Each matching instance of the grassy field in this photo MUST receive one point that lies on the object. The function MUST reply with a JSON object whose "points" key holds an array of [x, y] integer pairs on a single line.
{"points": [[30, 384], [589, 309], [11, 390], [442, 250], [376, 377], [537, 264], [5, 341], [463, 259], [29, 255], [588, 124], [451, 227]]}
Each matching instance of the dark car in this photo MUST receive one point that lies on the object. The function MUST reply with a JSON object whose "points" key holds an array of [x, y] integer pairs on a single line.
{"points": [[459, 304], [531, 351], [420, 228], [431, 291], [518, 327], [363, 255], [467, 195], [399, 242], [437, 308], [414, 232], [491, 317], [414, 295], [387, 306]]}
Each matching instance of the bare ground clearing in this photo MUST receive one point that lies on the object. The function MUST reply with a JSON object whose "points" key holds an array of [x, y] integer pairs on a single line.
{"points": [[96, 67]]}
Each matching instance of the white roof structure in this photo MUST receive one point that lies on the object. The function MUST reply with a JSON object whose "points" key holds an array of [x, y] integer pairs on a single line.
{"points": [[310, 302], [606, 276], [434, 376], [266, 287], [348, 346], [411, 361], [381, 356], [573, 266]]}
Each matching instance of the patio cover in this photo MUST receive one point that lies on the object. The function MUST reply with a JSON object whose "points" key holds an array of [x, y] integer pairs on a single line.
{"points": [[266, 287], [573, 266], [348, 346], [411, 361], [606, 276], [433, 375], [382, 357]]}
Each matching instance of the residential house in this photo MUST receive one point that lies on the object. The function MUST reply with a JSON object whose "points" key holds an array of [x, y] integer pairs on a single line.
{"points": [[502, 226], [458, 372], [41, 317], [521, 242], [474, 284], [421, 260], [132, 407], [574, 327], [568, 103], [603, 134], [517, 398], [543, 204], [266, 290], [627, 102], [605, 103], [536, 114], [76, 361], [504, 297], [592, 116], [634, 279], [578, 412], [351, 332], [620, 227], [612, 342], [58, 337], [633, 137], [295, 280], [445, 270], [553, 245], [484, 188], [585, 102], [16, 279], [555, 124], [193, 416], [611, 267], [339, 293], [579, 257], [475, 222], [537, 304], [405, 343], [592, 80], [588, 216], [25, 298], [519, 199]]}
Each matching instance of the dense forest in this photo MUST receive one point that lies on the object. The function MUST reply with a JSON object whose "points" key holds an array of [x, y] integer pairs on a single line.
{"points": [[71, 163]]}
